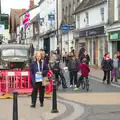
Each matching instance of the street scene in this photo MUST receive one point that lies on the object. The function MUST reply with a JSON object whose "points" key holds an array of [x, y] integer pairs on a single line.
{"points": [[60, 59]]}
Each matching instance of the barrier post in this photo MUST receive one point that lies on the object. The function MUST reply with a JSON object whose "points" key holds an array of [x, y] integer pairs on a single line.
{"points": [[54, 98], [15, 106]]}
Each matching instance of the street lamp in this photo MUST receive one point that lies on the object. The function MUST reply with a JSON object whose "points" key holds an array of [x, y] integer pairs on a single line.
{"points": [[57, 21]]}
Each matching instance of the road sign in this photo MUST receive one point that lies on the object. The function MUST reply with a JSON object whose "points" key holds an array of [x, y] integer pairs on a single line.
{"points": [[51, 17], [65, 27]]}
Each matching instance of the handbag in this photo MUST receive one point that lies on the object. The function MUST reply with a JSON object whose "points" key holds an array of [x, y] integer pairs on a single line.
{"points": [[45, 81]]}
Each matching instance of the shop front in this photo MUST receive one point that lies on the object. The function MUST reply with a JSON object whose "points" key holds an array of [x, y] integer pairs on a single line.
{"points": [[114, 37], [96, 43]]}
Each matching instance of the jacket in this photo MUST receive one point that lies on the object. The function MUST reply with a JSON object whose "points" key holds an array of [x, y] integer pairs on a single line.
{"points": [[72, 65], [34, 69], [84, 69], [107, 65]]}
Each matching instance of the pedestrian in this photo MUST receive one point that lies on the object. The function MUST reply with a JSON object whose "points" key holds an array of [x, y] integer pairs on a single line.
{"points": [[118, 56], [85, 55], [63, 55], [115, 68], [38, 70], [84, 68], [31, 49], [72, 67], [107, 67], [81, 51]]}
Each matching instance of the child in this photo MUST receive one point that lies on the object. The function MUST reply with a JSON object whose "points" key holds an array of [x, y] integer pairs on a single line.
{"points": [[84, 72], [115, 67]]}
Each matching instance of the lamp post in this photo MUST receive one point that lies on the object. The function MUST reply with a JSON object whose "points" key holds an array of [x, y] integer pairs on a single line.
{"points": [[57, 21]]}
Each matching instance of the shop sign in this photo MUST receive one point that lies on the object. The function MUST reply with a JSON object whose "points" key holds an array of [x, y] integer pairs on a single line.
{"points": [[92, 32], [114, 35]]}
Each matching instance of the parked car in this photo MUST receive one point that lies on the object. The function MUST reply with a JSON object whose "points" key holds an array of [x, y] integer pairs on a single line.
{"points": [[14, 56]]}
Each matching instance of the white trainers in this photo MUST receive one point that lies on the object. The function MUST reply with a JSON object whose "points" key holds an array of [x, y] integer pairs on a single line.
{"points": [[71, 86], [75, 86]]}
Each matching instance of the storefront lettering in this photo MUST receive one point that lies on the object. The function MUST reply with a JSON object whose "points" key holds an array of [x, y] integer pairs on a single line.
{"points": [[92, 32], [114, 35]]}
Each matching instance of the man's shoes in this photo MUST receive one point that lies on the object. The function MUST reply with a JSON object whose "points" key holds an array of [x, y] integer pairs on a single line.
{"points": [[75, 86], [33, 105], [71, 86], [41, 105]]}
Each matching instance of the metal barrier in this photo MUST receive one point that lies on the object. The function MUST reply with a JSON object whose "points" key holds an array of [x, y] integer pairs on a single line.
{"points": [[11, 80], [19, 81]]}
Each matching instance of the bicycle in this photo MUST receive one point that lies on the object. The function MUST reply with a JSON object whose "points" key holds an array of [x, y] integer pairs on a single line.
{"points": [[84, 83], [59, 76]]}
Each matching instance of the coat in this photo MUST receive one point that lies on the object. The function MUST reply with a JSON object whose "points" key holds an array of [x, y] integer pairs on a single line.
{"points": [[84, 69], [107, 65], [34, 69]]}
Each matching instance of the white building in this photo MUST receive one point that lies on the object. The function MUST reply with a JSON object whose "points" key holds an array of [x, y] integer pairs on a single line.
{"points": [[91, 20], [27, 35], [48, 39]]}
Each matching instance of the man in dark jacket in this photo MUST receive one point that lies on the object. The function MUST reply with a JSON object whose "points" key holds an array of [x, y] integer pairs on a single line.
{"points": [[72, 66], [85, 55]]}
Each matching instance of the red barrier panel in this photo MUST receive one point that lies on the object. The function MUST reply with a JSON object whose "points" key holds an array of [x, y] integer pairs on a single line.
{"points": [[16, 80]]}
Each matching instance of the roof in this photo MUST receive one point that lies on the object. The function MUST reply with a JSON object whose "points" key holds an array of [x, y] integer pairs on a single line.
{"points": [[30, 9], [86, 4], [14, 46]]}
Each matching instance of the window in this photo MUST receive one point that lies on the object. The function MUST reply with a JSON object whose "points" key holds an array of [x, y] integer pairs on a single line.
{"points": [[69, 12], [63, 12], [116, 10], [78, 21], [87, 18], [102, 14]]}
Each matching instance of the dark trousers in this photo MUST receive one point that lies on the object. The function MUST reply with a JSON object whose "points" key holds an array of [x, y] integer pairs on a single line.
{"points": [[107, 75], [80, 80], [63, 59], [73, 77], [41, 89]]}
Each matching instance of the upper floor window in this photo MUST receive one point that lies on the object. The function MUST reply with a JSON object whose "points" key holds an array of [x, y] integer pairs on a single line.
{"points": [[116, 10], [102, 14], [87, 17], [78, 21]]}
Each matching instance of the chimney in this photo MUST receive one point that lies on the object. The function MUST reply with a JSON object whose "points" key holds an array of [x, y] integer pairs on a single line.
{"points": [[31, 4]]}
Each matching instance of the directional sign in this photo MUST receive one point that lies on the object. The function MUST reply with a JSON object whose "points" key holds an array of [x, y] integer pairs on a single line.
{"points": [[65, 27], [51, 17]]}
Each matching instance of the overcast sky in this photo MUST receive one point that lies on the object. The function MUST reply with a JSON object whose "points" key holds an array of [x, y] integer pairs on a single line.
{"points": [[7, 4]]}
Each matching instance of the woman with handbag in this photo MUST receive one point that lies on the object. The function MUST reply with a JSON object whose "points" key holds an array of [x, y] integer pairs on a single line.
{"points": [[38, 71]]}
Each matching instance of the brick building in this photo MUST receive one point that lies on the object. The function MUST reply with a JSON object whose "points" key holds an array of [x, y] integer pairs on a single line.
{"points": [[15, 20]]}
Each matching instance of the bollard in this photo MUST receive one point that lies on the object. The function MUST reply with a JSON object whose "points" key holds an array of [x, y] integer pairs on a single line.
{"points": [[54, 98], [15, 106]]}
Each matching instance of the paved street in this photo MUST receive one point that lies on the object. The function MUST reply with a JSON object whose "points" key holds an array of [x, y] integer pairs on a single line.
{"points": [[101, 102]]}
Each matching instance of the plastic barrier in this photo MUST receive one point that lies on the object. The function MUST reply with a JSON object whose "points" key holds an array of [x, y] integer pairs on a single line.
{"points": [[16, 80]]}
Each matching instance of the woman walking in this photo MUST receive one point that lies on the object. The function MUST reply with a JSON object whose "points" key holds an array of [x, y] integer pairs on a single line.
{"points": [[38, 70], [107, 66]]}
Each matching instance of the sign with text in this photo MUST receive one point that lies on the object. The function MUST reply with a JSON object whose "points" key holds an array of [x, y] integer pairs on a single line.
{"points": [[92, 32], [113, 36]]}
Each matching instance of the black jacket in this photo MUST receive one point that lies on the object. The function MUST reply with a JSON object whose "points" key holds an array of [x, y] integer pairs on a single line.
{"points": [[107, 65]]}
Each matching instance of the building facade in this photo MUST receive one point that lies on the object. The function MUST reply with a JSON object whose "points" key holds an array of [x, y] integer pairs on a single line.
{"points": [[48, 27], [113, 27], [91, 21], [15, 21], [68, 7]]}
